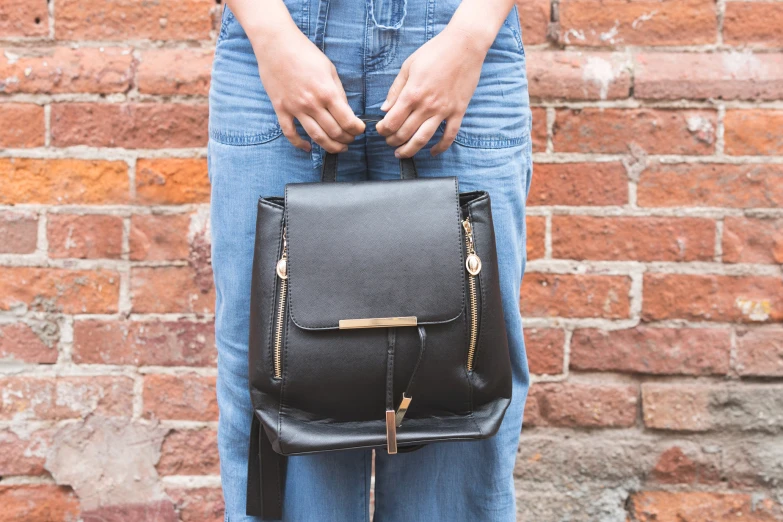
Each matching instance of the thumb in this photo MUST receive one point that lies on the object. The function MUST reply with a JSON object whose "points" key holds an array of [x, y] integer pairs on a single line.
{"points": [[395, 89]]}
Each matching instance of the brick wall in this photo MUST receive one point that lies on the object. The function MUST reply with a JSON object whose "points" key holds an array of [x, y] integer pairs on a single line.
{"points": [[653, 296]]}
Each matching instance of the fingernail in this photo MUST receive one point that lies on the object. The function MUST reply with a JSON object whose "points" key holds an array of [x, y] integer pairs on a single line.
{"points": [[384, 107], [397, 154]]}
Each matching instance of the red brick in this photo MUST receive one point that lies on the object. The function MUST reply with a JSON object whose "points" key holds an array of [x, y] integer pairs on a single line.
{"points": [[91, 236], [63, 181], [585, 405], [172, 289], [189, 452], [18, 232], [711, 185], [61, 397], [730, 76], [534, 16], [159, 237], [30, 343], [570, 295], [637, 22], [674, 466], [175, 71], [180, 397], [753, 23], [153, 343], [618, 131], [544, 348], [754, 132], [628, 238], [694, 506], [712, 298], [151, 510], [753, 240], [760, 352], [658, 351], [23, 124], [677, 407], [574, 75], [29, 18], [63, 69], [172, 181], [59, 290], [38, 503], [536, 232], [198, 504], [587, 184], [130, 19], [130, 125], [539, 134], [23, 454]]}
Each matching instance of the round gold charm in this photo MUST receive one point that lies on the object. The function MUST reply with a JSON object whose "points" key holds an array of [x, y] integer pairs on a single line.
{"points": [[473, 264], [282, 269]]}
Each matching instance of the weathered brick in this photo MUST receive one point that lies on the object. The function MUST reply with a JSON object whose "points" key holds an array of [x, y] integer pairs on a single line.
{"points": [[754, 23], [754, 132], [760, 352], [198, 504], [711, 185], [172, 181], [64, 69], [752, 240], [63, 181], [18, 232], [159, 237], [65, 397], [38, 503], [180, 397], [674, 466], [189, 452], [536, 232], [696, 506], [129, 19], [539, 133], [544, 348], [143, 125], [534, 16], [90, 236], [704, 297], [146, 343], [152, 510], [172, 289], [571, 295], [637, 22], [618, 131], [175, 71], [585, 405], [574, 75], [31, 343], [628, 238], [59, 290], [588, 184], [694, 407], [729, 76], [23, 124], [646, 350], [25, 453], [29, 18]]}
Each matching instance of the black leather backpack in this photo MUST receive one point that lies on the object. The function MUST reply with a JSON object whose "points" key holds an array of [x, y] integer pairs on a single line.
{"points": [[376, 321]]}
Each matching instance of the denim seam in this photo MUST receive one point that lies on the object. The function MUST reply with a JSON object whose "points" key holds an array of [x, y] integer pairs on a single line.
{"points": [[240, 138]]}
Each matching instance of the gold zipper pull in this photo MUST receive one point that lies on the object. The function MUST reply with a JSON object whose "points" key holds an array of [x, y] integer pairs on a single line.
{"points": [[282, 264], [402, 409], [473, 261]]}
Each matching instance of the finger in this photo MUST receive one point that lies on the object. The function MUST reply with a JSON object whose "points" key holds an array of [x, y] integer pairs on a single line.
{"points": [[289, 131], [449, 135], [419, 140], [333, 129], [319, 135], [408, 128], [396, 116], [342, 112], [396, 88]]}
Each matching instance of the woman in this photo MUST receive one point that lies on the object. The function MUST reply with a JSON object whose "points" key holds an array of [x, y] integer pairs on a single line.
{"points": [[373, 80]]}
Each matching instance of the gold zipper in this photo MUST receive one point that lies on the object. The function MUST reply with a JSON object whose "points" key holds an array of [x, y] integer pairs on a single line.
{"points": [[473, 266], [282, 273]]}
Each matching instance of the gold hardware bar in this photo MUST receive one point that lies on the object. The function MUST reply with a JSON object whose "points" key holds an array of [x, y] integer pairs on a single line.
{"points": [[391, 432], [377, 322], [402, 409]]}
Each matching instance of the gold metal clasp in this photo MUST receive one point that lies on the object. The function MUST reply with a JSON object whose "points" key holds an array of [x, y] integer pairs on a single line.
{"points": [[391, 432], [377, 322]]}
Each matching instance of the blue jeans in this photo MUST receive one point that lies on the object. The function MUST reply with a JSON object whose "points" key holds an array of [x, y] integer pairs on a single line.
{"points": [[249, 157]]}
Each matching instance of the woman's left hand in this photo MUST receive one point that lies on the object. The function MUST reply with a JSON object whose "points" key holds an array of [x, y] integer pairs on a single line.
{"points": [[435, 83]]}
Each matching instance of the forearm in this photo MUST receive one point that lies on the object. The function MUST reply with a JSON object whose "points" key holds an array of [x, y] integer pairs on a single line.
{"points": [[481, 20], [262, 20]]}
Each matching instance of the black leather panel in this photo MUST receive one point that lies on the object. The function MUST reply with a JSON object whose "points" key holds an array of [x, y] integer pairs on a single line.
{"points": [[388, 249]]}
